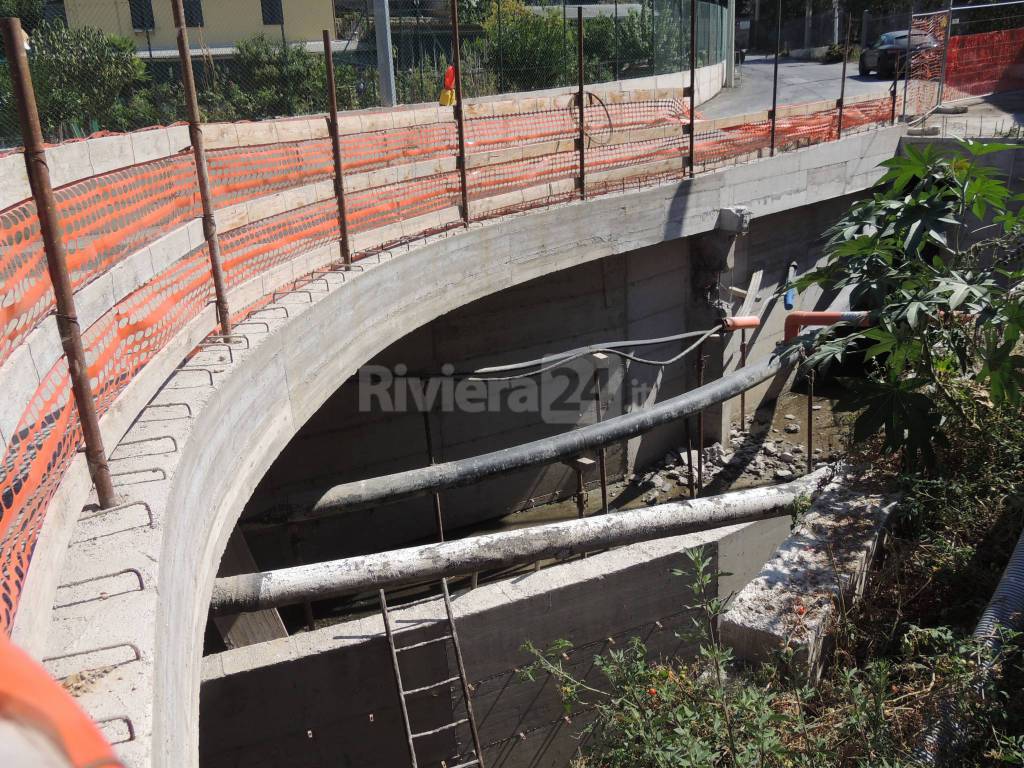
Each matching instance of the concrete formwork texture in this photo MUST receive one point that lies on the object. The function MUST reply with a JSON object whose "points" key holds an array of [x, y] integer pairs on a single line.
{"points": [[192, 449]]}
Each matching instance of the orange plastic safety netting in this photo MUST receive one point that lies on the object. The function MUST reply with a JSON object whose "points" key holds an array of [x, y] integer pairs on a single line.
{"points": [[985, 63], [118, 346], [107, 217], [103, 218]]}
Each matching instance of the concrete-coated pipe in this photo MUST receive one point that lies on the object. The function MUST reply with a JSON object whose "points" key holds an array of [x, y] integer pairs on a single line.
{"points": [[386, 489], [319, 581]]}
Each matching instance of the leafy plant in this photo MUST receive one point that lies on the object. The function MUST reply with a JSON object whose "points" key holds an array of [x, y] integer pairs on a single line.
{"points": [[84, 79], [936, 257]]}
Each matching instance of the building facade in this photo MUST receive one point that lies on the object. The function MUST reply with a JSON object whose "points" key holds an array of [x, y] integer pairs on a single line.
{"points": [[214, 24]]}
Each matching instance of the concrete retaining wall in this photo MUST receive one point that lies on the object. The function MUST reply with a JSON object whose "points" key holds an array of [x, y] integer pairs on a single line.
{"points": [[647, 293], [327, 698], [191, 460]]}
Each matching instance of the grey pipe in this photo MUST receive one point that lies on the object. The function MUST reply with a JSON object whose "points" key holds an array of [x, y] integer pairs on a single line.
{"points": [[385, 570], [387, 489], [1005, 611]]}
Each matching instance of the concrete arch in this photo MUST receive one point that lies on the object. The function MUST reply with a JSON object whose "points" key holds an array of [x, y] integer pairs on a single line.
{"points": [[251, 405]]}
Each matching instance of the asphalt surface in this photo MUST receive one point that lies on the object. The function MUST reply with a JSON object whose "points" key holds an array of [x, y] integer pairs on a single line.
{"points": [[799, 81]]}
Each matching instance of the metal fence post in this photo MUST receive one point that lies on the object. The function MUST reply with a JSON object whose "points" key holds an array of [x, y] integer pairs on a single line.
{"points": [[460, 124], [580, 96], [385, 62], [775, 77], [682, 38], [195, 133], [334, 130], [906, 65], [842, 85], [56, 259], [693, 86], [501, 51], [945, 54], [615, 36]]}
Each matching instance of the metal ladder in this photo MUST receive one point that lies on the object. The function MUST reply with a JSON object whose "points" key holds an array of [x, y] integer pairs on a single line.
{"points": [[453, 637]]}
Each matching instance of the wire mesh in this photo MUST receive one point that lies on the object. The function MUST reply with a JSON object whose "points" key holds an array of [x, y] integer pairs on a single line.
{"points": [[986, 51]]}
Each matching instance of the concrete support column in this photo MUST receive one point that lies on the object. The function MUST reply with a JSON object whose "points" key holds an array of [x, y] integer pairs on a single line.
{"points": [[385, 62], [730, 45], [808, 14]]}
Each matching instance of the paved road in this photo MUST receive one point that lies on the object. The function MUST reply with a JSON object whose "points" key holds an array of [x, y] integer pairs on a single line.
{"points": [[799, 81]]}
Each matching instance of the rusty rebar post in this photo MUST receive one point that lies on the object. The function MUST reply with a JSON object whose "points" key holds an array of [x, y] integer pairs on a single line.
{"points": [[775, 78], [438, 518], [689, 460], [810, 419], [195, 132], [601, 457], [334, 130], [581, 106], [693, 85], [581, 493], [460, 121], [56, 259], [743, 394], [701, 362], [842, 86]]}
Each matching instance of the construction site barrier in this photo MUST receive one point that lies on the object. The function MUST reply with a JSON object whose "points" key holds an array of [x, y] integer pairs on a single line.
{"points": [[401, 184]]}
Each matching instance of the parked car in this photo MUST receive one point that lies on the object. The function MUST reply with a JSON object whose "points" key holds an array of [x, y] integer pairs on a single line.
{"points": [[888, 54]]}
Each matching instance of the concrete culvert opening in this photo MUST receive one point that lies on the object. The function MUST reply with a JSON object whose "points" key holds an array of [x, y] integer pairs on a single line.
{"points": [[312, 683]]}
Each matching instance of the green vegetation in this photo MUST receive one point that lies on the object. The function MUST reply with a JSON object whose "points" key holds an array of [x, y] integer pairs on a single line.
{"points": [[936, 257], [935, 254], [86, 80]]}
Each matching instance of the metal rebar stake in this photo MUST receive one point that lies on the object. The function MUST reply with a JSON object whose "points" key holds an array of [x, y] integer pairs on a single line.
{"points": [[460, 123], [700, 421], [906, 63], [689, 460], [580, 96], [842, 85], [339, 178], [693, 85], [195, 133], [601, 458], [775, 77], [56, 260], [743, 394], [810, 419]]}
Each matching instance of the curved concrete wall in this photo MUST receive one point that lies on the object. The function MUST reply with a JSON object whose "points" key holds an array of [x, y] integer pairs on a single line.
{"points": [[105, 190], [135, 586]]}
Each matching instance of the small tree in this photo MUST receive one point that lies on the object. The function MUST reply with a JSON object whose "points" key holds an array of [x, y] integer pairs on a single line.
{"points": [[84, 79], [936, 257], [29, 11], [278, 80]]}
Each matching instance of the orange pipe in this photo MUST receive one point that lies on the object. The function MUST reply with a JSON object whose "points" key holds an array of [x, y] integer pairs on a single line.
{"points": [[740, 322], [797, 320]]}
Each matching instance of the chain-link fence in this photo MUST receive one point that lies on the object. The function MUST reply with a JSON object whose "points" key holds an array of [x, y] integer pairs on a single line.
{"points": [[98, 66]]}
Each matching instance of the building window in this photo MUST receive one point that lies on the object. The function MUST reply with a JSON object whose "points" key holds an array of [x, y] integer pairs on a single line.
{"points": [[273, 13], [142, 14], [193, 13]]}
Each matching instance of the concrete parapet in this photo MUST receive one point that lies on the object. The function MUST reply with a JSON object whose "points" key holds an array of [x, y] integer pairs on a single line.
{"points": [[816, 574]]}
